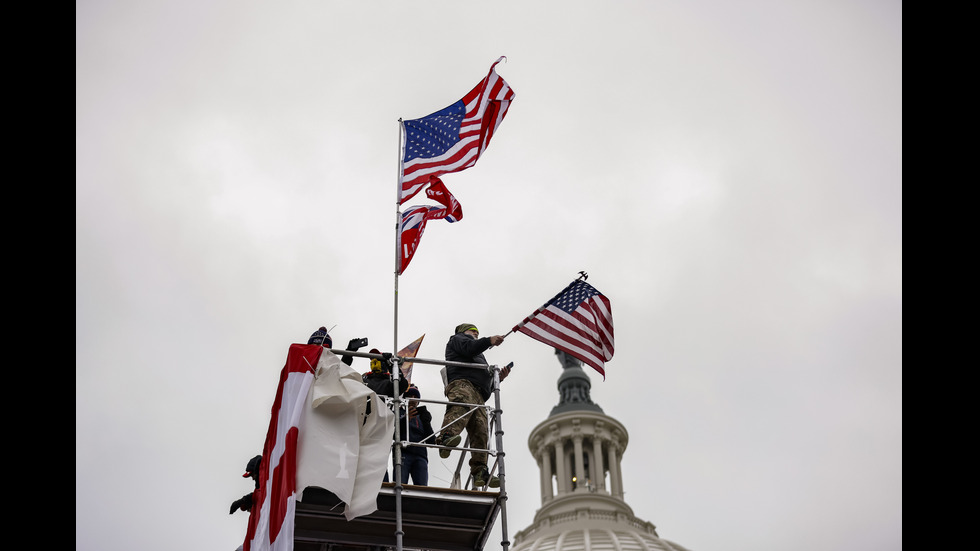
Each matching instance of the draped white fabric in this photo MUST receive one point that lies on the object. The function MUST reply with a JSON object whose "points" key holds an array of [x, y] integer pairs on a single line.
{"points": [[340, 448]]}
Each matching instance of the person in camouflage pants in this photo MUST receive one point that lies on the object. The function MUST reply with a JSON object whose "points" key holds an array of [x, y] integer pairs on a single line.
{"points": [[474, 420], [469, 385]]}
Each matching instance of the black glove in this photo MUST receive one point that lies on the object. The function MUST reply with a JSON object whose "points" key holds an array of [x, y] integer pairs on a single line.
{"points": [[244, 504], [354, 344]]}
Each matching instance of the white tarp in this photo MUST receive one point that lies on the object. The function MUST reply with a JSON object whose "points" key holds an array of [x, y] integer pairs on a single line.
{"points": [[339, 449]]}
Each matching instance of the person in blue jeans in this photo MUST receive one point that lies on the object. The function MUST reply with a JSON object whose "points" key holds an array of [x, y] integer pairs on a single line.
{"points": [[415, 459]]}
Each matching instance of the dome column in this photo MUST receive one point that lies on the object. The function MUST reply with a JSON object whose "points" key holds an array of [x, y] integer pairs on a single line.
{"points": [[579, 463], [560, 460], [615, 481], [600, 473], [544, 461]]}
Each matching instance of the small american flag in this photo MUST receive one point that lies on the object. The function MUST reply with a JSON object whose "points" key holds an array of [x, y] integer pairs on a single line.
{"points": [[578, 321], [453, 139], [414, 219]]}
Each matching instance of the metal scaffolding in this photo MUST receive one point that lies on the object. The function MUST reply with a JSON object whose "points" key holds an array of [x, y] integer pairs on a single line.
{"points": [[458, 518]]}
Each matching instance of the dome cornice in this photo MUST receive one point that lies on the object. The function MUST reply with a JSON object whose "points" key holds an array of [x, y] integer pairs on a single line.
{"points": [[589, 424]]}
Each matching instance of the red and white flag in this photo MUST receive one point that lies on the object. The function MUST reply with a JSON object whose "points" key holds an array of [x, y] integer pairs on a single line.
{"points": [[577, 320], [272, 519]]}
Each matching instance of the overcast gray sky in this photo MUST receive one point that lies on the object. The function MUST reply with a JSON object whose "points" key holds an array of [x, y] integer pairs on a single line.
{"points": [[728, 173]]}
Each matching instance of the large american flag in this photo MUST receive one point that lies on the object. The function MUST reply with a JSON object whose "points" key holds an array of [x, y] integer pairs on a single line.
{"points": [[453, 138], [578, 321]]}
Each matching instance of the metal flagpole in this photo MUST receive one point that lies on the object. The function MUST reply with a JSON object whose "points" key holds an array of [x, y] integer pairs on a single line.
{"points": [[398, 223], [397, 365]]}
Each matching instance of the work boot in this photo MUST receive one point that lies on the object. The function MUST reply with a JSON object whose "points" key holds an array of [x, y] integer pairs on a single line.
{"points": [[452, 442], [482, 478]]}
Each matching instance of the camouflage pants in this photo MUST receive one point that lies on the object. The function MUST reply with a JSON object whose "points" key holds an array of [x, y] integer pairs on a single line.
{"points": [[459, 417]]}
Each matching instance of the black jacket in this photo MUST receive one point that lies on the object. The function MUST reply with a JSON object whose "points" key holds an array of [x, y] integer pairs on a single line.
{"points": [[464, 348], [382, 385], [419, 428]]}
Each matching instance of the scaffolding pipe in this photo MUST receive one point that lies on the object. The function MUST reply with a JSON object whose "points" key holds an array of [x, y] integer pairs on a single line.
{"points": [[400, 359], [497, 413], [396, 361], [397, 471]]}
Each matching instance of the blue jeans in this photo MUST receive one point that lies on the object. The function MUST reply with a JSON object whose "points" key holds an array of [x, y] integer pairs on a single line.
{"points": [[418, 467]]}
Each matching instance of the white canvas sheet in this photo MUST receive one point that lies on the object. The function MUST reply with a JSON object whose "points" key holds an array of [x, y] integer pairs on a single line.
{"points": [[339, 449]]}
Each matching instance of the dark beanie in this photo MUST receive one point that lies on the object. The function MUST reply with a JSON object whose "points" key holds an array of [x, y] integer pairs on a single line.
{"points": [[321, 337], [465, 327], [252, 467]]}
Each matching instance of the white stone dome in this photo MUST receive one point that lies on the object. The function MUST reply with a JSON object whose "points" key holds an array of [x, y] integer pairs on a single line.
{"points": [[589, 529], [579, 450], [612, 538]]}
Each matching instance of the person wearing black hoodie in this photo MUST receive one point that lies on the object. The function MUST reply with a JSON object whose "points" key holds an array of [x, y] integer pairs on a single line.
{"points": [[251, 471], [468, 385], [379, 378], [415, 427]]}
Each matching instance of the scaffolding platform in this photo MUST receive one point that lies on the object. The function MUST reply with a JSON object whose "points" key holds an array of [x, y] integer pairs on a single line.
{"points": [[442, 519]]}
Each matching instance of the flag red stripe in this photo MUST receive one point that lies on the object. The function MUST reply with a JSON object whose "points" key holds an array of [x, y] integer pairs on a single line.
{"points": [[557, 323], [283, 484], [454, 160], [555, 339]]}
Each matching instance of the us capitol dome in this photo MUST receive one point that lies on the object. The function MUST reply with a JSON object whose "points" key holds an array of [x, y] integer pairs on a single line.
{"points": [[579, 450]]}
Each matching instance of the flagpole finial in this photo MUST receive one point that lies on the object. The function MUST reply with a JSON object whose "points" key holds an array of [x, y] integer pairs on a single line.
{"points": [[583, 276]]}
